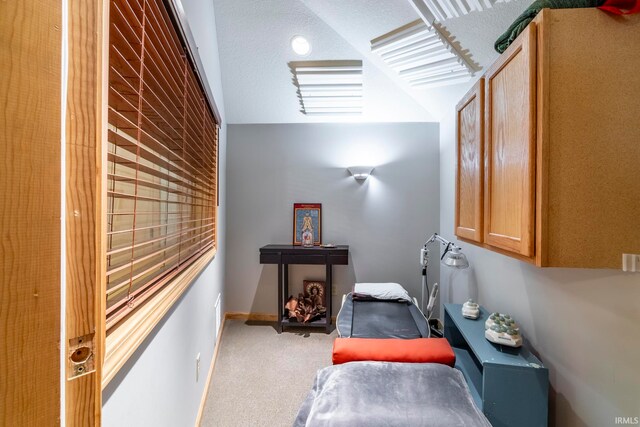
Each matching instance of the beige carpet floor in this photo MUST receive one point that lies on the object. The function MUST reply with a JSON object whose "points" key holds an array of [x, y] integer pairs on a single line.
{"points": [[260, 377]]}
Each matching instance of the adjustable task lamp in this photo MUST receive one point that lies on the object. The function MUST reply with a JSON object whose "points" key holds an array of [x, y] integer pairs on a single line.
{"points": [[452, 257]]}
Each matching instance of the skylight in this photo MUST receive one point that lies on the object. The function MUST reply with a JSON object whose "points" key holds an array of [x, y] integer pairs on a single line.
{"points": [[422, 55], [328, 87], [446, 9]]}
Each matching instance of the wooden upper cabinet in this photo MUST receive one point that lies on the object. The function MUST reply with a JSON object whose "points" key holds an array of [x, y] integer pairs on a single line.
{"points": [[509, 220], [470, 152], [561, 144]]}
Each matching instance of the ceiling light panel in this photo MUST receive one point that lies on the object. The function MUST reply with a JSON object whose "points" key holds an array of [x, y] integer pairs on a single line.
{"points": [[328, 87], [446, 9], [422, 55]]}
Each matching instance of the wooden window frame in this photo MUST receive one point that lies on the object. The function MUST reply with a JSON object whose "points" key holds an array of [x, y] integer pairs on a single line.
{"points": [[124, 338], [128, 335], [86, 188], [30, 196]]}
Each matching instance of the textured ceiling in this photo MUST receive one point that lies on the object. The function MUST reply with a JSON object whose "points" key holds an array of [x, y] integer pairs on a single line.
{"points": [[254, 37]]}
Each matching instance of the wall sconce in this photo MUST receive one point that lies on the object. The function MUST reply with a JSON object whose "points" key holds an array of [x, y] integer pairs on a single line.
{"points": [[360, 173]]}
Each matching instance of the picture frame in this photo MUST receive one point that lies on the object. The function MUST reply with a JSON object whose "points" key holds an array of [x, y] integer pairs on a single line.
{"points": [[309, 286], [307, 217]]}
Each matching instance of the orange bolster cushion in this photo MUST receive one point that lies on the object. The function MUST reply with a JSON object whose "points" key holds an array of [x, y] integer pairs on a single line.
{"points": [[419, 350]]}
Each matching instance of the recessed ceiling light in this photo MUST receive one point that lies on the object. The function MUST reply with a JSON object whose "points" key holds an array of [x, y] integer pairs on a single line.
{"points": [[300, 45]]}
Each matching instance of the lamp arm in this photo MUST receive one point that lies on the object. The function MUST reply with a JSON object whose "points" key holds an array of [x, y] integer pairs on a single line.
{"points": [[457, 260], [436, 237], [424, 253], [447, 249]]}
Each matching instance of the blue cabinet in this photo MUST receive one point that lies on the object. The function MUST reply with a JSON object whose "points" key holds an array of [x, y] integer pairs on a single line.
{"points": [[510, 385]]}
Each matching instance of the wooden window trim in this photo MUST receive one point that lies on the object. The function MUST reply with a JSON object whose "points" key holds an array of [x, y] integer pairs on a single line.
{"points": [[86, 218], [121, 342], [131, 332]]}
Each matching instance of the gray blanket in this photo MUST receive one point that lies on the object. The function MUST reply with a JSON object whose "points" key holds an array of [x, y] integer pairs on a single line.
{"points": [[389, 394]]}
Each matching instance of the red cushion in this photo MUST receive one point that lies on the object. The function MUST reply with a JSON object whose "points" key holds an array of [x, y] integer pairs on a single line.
{"points": [[419, 350]]}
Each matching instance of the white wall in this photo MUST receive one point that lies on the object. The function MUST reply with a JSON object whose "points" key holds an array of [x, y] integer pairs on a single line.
{"points": [[157, 386], [582, 323], [385, 220]]}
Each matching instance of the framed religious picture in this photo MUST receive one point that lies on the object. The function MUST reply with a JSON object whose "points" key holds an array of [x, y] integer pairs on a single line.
{"points": [[307, 224], [314, 288], [314, 298]]}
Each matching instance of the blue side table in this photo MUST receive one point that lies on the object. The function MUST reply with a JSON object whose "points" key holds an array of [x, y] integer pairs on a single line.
{"points": [[510, 385]]}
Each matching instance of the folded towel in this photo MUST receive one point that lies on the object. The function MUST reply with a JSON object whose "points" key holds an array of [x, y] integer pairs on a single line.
{"points": [[521, 22]]}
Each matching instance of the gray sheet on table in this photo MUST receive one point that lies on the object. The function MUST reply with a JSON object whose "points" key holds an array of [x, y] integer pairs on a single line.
{"points": [[381, 319], [389, 394]]}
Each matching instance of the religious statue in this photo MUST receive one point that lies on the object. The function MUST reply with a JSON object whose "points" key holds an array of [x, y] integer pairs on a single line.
{"points": [[307, 231], [306, 308]]}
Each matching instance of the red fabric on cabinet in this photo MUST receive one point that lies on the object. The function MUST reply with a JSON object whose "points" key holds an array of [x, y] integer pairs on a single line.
{"points": [[621, 7]]}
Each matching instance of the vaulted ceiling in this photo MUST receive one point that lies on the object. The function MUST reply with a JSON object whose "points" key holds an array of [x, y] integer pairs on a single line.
{"points": [[254, 44]]}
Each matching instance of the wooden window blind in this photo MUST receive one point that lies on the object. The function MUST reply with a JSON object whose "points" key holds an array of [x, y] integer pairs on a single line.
{"points": [[162, 157]]}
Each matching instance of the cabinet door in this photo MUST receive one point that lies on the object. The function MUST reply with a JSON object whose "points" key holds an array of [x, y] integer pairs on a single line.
{"points": [[469, 169], [510, 147]]}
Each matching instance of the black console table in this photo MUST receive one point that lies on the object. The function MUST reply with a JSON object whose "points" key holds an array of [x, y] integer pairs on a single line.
{"points": [[283, 255]]}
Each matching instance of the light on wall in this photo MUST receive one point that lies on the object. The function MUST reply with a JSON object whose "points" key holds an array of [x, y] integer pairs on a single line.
{"points": [[360, 173]]}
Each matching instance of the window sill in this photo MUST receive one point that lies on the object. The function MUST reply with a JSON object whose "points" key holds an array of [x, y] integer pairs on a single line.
{"points": [[127, 337]]}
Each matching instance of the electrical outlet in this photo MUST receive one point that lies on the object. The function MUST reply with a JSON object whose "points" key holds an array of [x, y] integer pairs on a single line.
{"points": [[218, 316], [197, 367], [631, 262], [334, 291]]}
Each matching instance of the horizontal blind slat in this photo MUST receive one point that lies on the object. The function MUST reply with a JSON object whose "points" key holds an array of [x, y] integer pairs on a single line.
{"points": [[152, 199], [168, 32], [179, 233], [151, 227], [167, 261], [139, 259], [123, 161], [120, 310], [156, 186], [162, 156], [166, 81], [154, 150], [172, 53], [128, 28]]}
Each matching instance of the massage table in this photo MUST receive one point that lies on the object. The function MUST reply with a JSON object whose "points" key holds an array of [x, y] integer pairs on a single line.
{"points": [[387, 372], [389, 394], [380, 319]]}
